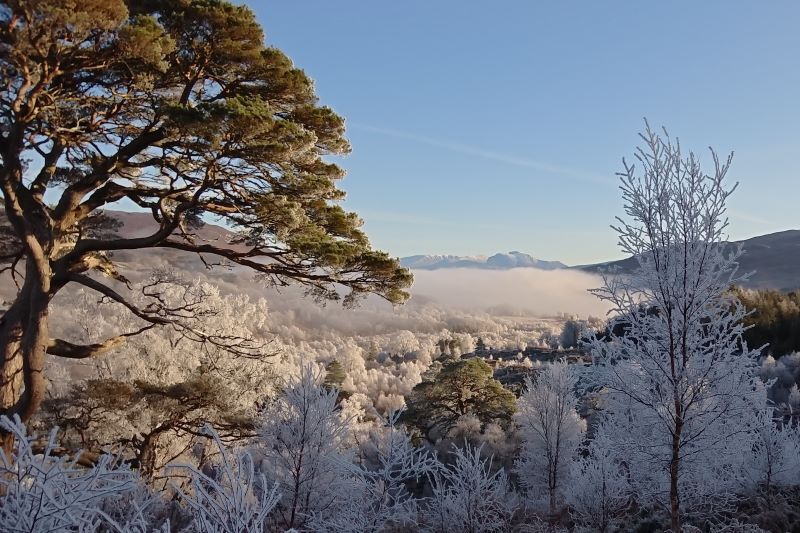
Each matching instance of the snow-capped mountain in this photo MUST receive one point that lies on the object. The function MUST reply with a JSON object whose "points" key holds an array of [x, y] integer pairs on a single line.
{"points": [[500, 261]]}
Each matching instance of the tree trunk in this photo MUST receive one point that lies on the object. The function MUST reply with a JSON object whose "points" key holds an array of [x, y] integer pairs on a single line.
{"points": [[553, 474], [147, 454], [674, 470], [23, 344], [11, 383]]}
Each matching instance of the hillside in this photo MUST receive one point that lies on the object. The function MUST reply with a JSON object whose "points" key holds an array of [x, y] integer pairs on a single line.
{"points": [[773, 259]]}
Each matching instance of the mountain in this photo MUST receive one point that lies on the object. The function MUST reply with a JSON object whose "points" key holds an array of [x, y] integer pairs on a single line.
{"points": [[140, 224], [774, 258], [494, 262]]}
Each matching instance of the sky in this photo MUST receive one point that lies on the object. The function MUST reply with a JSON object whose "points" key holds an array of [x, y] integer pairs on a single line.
{"points": [[483, 127]]}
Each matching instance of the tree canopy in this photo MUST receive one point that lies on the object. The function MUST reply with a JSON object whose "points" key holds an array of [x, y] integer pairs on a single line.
{"points": [[774, 320], [461, 387], [680, 378], [176, 107]]}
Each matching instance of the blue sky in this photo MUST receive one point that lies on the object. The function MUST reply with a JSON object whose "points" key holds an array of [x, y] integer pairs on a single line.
{"points": [[480, 127]]}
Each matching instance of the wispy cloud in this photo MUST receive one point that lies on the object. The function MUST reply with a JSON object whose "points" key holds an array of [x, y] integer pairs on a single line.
{"points": [[747, 217], [421, 220], [487, 154]]}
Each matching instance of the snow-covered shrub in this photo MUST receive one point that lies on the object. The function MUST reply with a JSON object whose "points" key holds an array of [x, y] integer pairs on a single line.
{"points": [[469, 497], [43, 490], [231, 499]]}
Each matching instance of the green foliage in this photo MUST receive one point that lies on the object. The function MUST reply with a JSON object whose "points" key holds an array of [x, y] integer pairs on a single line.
{"points": [[774, 320], [178, 107], [334, 375], [461, 387], [133, 417]]}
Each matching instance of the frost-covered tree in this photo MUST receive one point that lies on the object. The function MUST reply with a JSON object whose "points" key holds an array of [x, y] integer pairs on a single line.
{"points": [[390, 466], [42, 489], [233, 498], [550, 430], [152, 399], [597, 490], [794, 397], [774, 460], [469, 497], [681, 386], [493, 439], [305, 449], [571, 334]]}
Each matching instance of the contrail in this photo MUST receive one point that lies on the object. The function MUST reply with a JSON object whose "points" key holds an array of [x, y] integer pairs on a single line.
{"points": [[486, 154]]}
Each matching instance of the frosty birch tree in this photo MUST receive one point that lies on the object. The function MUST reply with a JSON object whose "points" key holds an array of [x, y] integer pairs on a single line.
{"points": [[469, 497], [550, 429], [597, 490], [681, 383], [304, 446], [382, 500], [235, 500], [775, 457]]}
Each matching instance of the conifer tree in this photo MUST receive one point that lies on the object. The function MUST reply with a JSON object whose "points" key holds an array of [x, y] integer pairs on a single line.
{"points": [[177, 107]]}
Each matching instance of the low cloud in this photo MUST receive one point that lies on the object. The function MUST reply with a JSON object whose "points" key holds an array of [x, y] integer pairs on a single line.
{"points": [[519, 290]]}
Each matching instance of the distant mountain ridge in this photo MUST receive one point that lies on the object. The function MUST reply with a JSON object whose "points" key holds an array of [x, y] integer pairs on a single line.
{"points": [[498, 261], [774, 258]]}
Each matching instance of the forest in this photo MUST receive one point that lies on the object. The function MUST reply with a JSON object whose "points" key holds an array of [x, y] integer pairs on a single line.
{"points": [[284, 379]]}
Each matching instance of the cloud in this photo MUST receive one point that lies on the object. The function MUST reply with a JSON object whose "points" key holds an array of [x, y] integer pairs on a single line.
{"points": [[519, 290], [490, 155]]}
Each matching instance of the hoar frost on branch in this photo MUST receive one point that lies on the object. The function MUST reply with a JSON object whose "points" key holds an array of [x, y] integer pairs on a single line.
{"points": [[597, 489], [233, 499], [382, 500], [42, 491], [774, 459], [682, 391], [305, 449], [551, 431], [468, 497], [154, 397]]}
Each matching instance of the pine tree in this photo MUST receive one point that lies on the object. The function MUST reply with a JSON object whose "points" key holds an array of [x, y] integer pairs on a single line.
{"points": [[178, 107], [461, 387]]}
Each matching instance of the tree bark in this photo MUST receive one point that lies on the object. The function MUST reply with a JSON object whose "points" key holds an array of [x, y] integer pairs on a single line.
{"points": [[147, 454], [23, 343], [674, 470]]}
